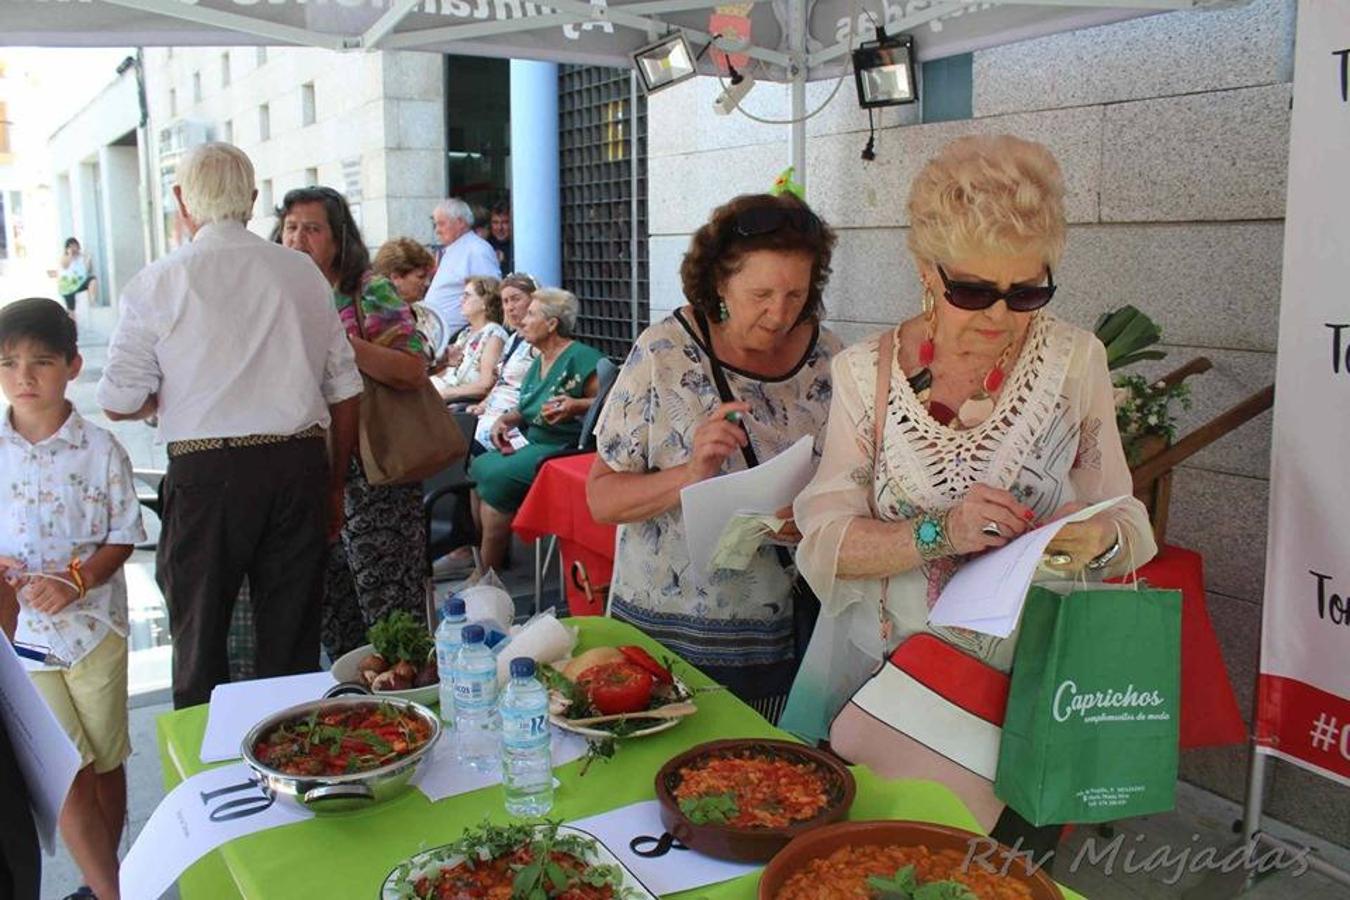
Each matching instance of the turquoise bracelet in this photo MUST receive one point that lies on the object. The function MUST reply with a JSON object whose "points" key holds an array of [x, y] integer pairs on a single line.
{"points": [[930, 535]]}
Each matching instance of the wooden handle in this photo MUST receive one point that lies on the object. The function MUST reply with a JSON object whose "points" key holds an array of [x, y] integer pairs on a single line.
{"points": [[671, 711]]}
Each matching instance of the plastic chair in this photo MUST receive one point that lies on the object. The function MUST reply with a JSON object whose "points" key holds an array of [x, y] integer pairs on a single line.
{"points": [[448, 525]]}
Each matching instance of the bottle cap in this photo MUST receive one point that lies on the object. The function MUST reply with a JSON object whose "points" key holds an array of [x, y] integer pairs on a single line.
{"points": [[522, 667], [472, 634], [455, 606]]}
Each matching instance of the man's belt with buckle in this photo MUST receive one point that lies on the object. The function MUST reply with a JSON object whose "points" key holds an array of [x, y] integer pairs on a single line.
{"points": [[197, 445]]}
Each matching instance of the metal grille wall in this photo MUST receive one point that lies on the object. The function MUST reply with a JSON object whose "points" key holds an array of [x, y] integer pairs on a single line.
{"points": [[597, 122]]}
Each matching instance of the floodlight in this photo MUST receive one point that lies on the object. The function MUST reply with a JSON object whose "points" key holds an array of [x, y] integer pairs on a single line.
{"points": [[883, 71], [665, 62]]}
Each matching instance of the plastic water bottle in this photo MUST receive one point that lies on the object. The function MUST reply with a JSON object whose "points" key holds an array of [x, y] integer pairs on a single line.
{"points": [[448, 640], [477, 724], [527, 757]]}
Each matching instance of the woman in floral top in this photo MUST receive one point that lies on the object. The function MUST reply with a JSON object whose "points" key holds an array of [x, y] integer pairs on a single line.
{"points": [[556, 394], [753, 277], [380, 564], [474, 355]]}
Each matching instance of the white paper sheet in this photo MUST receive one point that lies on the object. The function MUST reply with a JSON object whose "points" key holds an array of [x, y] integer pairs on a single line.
{"points": [[677, 870], [987, 593], [203, 812], [443, 776], [238, 706], [46, 755], [709, 505]]}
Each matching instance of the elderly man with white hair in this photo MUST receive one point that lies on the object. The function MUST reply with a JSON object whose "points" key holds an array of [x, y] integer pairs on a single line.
{"points": [[463, 254], [233, 342]]}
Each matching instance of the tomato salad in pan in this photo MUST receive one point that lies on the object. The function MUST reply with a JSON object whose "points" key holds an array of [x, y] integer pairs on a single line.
{"points": [[343, 740]]}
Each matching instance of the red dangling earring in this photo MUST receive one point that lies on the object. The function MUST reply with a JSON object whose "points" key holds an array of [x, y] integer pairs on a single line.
{"points": [[926, 347]]}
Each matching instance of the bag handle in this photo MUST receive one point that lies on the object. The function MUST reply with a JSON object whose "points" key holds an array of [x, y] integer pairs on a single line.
{"points": [[1122, 537]]}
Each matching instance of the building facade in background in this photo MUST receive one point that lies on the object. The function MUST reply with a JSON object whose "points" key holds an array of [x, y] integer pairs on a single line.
{"points": [[371, 125], [396, 132]]}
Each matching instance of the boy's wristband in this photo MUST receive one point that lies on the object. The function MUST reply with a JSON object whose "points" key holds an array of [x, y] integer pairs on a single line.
{"points": [[77, 577]]}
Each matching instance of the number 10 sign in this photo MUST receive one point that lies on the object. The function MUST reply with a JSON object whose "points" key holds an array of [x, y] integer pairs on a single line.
{"points": [[202, 813]]}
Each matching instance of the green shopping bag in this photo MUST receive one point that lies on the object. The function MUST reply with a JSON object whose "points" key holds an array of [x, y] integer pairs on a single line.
{"points": [[1091, 728]]}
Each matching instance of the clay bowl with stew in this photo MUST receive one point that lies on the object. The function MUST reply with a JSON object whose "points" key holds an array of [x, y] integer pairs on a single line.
{"points": [[1012, 882], [753, 843]]}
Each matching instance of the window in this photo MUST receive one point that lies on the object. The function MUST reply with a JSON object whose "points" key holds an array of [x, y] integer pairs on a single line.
{"points": [[264, 123], [227, 133], [261, 56], [173, 102], [225, 69], [945, 89], [307, 104], [266, 205], [196, 87], [311, 177]]}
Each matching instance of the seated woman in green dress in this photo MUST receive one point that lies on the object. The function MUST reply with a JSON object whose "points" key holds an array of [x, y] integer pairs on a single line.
{"points": [[557, 391]]}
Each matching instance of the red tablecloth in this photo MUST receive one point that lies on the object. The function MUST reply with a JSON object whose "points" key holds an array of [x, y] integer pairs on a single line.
{"points": [[1209, 711], [556, 504]]}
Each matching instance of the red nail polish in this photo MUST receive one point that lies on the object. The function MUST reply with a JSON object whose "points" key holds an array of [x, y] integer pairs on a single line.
{"points": [[1029, 515]]}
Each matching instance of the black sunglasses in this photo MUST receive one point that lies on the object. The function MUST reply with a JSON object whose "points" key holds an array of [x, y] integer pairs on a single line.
{"points": [[973, 297], [768, 219]]}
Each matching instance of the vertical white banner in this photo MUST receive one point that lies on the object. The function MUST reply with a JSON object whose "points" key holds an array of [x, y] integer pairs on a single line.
{"points": [[1304, 689]]}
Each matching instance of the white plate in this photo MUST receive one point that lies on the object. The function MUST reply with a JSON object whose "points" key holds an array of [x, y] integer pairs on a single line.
{"points": [[345, 670], [430, 860], [661, 724]]}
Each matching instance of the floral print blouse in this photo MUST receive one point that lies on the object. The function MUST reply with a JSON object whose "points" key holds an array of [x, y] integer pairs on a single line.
{"points": [[65, 497], [386, 319], [664, 390]]}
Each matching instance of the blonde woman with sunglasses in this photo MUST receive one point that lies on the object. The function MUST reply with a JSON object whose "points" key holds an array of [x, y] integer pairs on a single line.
{"points": [[998, 416]]}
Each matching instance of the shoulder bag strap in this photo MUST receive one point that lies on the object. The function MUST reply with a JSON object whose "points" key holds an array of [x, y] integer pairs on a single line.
{"points": [[880, 402], [723, 388], [885, 361]]}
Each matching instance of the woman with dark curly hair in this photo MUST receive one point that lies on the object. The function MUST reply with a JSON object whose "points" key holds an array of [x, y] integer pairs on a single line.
{"points": [[753, 276], [379, 564]]}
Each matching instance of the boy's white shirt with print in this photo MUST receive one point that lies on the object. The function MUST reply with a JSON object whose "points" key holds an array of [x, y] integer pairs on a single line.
{"points": [[61, 498]]}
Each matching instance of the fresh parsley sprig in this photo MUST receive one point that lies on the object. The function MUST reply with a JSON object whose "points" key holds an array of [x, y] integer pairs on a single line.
{"points": [[710, 809], [904, 885]]}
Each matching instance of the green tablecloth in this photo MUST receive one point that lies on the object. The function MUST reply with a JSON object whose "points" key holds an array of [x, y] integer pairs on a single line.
{"points": [[348, 856]]}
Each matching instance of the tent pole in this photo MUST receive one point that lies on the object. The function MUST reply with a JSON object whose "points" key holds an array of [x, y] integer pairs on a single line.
{"points": [[633, 207], [797, 89]]}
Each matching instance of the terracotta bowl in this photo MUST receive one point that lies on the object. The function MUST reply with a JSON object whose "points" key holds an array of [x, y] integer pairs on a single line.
{"points": [[750, 844], [824, 841]]}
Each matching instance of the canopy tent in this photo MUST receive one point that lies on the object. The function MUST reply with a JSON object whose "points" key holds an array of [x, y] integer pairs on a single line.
{"points": [[596, 32], [791, 41]]}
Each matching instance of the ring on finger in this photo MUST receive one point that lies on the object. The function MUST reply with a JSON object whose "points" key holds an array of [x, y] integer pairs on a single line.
{"points": [[992, 529], [1059, 559]]}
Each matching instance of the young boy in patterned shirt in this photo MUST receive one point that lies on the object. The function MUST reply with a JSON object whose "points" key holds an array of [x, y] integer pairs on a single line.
{"points": [[68, 521]]}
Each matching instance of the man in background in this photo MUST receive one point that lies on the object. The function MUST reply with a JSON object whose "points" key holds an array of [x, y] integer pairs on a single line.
{"points": [[501, 235], [234, 342], [463, 254]]}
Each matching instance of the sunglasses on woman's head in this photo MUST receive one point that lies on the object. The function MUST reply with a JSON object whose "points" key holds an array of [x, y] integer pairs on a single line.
{"points": [[534, 285], [768, 219], [976, 296]]}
